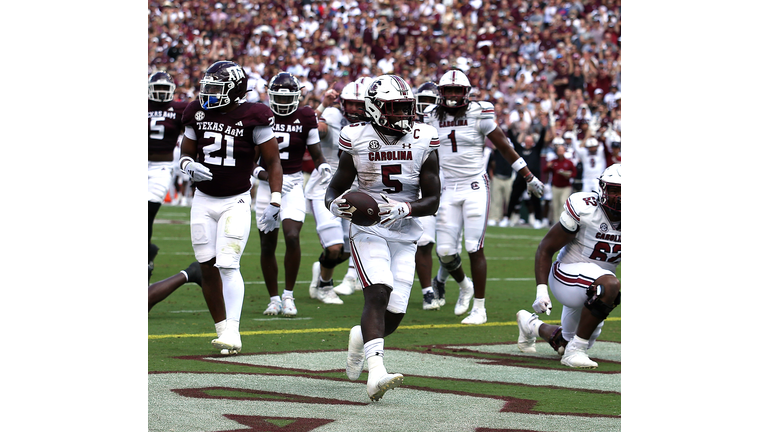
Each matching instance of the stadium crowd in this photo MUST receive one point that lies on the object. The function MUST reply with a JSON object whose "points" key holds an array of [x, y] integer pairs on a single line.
{"points": [[552, 64]]}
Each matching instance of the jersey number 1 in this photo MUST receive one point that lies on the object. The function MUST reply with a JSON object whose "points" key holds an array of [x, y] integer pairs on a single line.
{"points": [[454, 145]]}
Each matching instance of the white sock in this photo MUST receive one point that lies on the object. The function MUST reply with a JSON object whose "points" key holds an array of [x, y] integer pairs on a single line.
{"points": [[275, 299], [233, 325], [426, 290], [580, 343], [374, 354], [479, 303], [287, 293], [233, 289], [465, 283], [220, 326], [351, 272]]}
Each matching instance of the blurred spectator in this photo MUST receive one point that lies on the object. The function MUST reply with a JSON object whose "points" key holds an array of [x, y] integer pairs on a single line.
{"points": [[565, 57]]}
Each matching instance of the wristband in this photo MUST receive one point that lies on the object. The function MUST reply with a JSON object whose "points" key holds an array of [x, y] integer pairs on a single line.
{"points": [[529, 177], [257, 171], [519, 164], [320, 109], [541, 289], [186, 159], [276, 198]]}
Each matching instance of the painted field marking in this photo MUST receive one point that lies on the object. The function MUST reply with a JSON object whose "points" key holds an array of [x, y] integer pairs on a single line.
{"points": [[344, 329]]}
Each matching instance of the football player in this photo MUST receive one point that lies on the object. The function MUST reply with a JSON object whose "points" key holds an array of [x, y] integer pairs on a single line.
{"points": [[295, 129], [583, 279], [223, 138], [164, 130], [463, 126], [159, 291], [393, 158], [594, 157], [426, 96], [333, 231]]}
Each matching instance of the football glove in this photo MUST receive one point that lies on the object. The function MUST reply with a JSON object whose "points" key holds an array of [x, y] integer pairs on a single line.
{"points": [[535, 186], [340, 207], [270, 219], [287, 186], [393, 211], [198, 172], [325, 173], [542, 303]]}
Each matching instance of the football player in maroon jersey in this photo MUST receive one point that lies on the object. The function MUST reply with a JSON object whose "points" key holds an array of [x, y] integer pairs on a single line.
{"points": [[164, 118], [224, 136], [295, 129]]}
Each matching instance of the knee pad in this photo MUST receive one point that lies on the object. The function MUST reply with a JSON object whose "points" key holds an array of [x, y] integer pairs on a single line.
{"points": [[329, 262], [596, 306], [450, 262]]}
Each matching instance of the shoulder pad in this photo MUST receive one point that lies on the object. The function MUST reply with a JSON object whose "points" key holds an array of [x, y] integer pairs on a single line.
{"points": [[481, 110], [189, 112], [255, 114], [580, 204], [309, 117]]}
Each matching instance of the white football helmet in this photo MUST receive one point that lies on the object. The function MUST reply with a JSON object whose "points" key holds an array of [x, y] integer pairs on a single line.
{"points": [[426, 95], [591, 142], [454, 78], [610, 189], [390, 104], [354, 92]]}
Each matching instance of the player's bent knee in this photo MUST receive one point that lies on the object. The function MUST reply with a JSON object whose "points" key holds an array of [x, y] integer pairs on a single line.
{"points": [[600, 302], [450, 262]]}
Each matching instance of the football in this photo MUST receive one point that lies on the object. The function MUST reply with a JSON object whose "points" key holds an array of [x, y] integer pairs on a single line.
{"points": [[365, 209]]}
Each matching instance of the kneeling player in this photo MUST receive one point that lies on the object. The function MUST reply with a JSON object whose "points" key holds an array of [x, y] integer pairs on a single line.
{"points": [[583, 278]]}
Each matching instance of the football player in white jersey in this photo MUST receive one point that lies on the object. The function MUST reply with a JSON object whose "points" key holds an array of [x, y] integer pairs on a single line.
{"points": [[426, 96], [593, 161], [393, 158], [463, 126], [583, 278], [333, 231]]}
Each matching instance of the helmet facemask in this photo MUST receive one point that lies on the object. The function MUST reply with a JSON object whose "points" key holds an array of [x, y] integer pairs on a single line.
{"points": [[610, 199], [214, 94], [161, 88], [284, 102]]}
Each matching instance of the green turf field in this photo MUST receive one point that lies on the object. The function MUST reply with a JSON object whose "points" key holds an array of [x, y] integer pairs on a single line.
{"points": [[290, 375]]}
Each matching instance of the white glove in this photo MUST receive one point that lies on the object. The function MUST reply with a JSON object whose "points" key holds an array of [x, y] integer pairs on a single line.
{"points": [[535, 186], [393, 211], [198, 172], [340, 207], [325, 173], [542, 303], [270, 219]]}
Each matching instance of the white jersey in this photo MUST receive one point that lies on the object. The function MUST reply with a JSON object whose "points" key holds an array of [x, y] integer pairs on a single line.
{"points": [[597, 241], [335, 120], [593, 167], [329, 145], [462, 140], [393, 169]]}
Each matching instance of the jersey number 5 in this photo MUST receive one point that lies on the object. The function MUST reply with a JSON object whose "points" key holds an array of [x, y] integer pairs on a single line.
{"points": [[386, 177]]}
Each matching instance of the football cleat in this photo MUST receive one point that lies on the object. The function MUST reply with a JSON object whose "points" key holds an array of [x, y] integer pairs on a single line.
{"points": [[229, 340], [577, 357], [477, 316], [430, 302], [462, 304], [526, 339], [315, 280], [328, 296], [289, 306], [346, 287], [387, 382], [194, 274], [439, 289], [355, 354], [274, 308]]}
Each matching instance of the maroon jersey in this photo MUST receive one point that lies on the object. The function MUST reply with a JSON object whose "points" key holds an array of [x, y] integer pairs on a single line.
{"points": [[291, 132], [225, 144], [164, 125]]}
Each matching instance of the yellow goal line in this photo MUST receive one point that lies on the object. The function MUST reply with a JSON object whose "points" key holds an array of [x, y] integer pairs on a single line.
{"points": [[343, 329]]}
